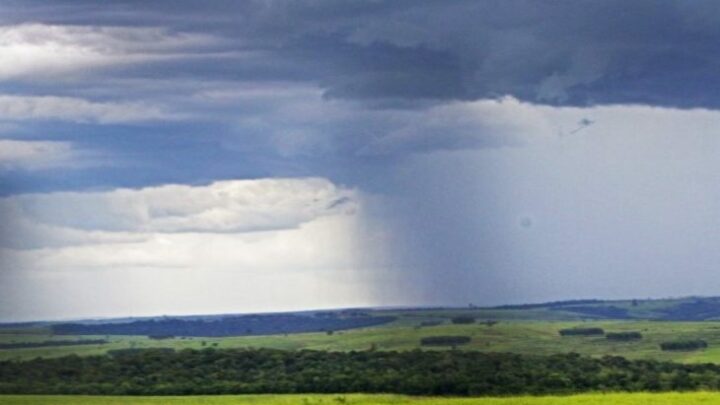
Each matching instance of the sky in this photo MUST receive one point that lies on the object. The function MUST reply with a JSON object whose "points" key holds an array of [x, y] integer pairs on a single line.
{"points": [[188, 157]]}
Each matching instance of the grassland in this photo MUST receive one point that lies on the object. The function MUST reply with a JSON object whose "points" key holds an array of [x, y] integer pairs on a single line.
{"points": [[518, 336], [526, 330], [588, 399]]}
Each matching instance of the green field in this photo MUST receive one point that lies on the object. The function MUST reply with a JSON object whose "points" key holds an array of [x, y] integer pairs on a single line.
{"points": [[300, 399], [518, 336], [525, 330]]}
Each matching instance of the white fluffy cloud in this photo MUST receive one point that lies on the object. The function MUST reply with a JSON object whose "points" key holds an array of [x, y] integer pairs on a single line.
{"points": [[313, 266], [265, 244], [306, 247], [31, 155], [32, 50], [234, 206]]}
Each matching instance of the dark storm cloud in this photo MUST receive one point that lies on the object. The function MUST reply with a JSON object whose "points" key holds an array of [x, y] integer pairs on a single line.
{"points": [[381, 58], [566, 52]]}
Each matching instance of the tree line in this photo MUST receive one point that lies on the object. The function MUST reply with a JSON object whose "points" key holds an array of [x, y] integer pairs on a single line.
{"points": [[241, 325], [51, 343], [244, 371]]}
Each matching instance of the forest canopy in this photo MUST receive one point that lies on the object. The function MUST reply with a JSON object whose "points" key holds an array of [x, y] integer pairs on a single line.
{"points": [[241, 371]]}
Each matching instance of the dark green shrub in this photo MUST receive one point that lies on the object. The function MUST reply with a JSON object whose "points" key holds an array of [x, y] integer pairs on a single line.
{"points": [[582, 332], [624, 336], [444, 340], [684, 345], [463, 319]]}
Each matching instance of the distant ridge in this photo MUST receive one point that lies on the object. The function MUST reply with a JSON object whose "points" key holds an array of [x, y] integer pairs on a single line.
{"points": [[693, 308], [690, 308]]}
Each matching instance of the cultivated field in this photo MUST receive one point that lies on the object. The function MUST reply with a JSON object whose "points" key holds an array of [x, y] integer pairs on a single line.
{"points": [[589, 399]]}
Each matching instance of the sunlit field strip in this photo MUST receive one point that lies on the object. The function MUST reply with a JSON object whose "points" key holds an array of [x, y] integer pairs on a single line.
{"points": [[359, 399]]}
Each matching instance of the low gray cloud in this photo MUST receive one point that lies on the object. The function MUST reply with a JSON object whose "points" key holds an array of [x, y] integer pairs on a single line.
{"points": [[14, 107]]}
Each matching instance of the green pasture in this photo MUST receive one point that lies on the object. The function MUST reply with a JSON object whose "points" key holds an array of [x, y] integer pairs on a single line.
{"points": [[527, 337]]}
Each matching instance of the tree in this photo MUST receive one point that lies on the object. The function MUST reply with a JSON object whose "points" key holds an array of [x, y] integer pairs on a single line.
{"points": [[463, 319]]}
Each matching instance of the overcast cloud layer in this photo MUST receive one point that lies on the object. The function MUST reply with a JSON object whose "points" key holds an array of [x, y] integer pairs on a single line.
{"points": [[189, 157]]}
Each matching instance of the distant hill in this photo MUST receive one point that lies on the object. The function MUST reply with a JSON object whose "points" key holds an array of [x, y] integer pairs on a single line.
{"points": [[242, 325], [670, 309]]}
